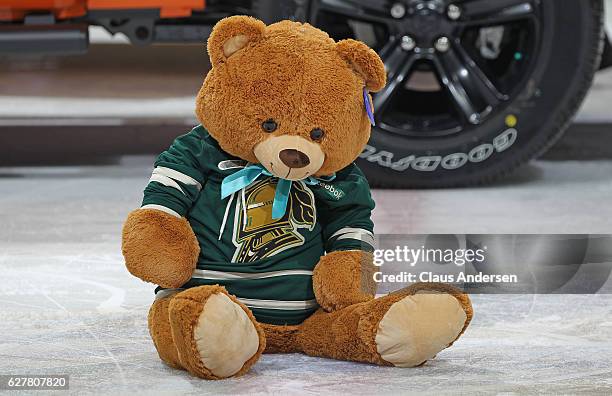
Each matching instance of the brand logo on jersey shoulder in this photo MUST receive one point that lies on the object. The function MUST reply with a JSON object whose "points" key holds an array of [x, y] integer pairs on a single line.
{"points": [[259, 236], [333, 191]]}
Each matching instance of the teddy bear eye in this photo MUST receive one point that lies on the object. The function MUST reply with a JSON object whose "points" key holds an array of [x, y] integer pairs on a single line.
{"points": [[269, 125], [317, 134]]}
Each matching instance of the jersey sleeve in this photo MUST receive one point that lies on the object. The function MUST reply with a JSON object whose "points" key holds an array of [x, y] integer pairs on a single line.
{"points": [[346, 212], [177, 177]]}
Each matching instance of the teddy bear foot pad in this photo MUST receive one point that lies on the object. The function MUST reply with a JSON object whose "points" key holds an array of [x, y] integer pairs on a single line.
{"points": [[214, 335], [417, 327]]}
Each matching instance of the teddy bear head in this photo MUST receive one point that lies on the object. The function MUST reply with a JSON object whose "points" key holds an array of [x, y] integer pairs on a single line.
{"points": [[288, 96]]}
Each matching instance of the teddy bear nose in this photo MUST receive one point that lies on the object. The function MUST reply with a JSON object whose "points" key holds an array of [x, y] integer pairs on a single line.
{"points": [[294, 158]]}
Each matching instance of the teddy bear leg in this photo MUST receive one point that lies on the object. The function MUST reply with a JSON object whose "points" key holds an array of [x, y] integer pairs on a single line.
{"points": [[403, 329], [216, 336], [161, 333], [281, 339]]}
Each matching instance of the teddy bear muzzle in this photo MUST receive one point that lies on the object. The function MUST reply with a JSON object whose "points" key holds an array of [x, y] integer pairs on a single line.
{"points": [[290, 157]]}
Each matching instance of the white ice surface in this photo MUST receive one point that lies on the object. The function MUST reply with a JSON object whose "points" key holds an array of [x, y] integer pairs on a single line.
{"points": [[68, 306]]}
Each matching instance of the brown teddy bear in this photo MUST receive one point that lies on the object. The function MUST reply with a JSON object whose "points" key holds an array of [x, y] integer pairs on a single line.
{"points": [[256, 224]]}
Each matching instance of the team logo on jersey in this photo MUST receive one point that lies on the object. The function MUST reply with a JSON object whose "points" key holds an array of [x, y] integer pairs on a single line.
{"points": [[259, 236]]}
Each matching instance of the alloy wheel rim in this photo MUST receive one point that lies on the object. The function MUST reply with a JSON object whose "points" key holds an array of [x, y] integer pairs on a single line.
{"points": [[439, 37]]}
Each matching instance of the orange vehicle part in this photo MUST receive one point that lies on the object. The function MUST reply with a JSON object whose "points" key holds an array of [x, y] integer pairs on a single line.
{"points": [[167, 8], [62, 9], [65, 9]]}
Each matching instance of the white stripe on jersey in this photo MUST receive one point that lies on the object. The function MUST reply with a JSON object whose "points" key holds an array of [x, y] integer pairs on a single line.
{"points": [[166, 181], [161, 208], [218, 275], [253, 303], [350, 229], [276, 304], [355, 233], [178, 176], [369, 239]]}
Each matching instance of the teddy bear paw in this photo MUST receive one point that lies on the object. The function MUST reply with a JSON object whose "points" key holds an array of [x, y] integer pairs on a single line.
{"points": [[417, 327], [215, 338]]}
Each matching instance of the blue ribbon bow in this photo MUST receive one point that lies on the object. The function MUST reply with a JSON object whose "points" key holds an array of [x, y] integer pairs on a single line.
{"points": [[245, 177]]}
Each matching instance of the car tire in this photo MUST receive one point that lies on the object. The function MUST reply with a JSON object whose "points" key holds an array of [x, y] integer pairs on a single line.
{"points": [[521, 127], [538, 116]]}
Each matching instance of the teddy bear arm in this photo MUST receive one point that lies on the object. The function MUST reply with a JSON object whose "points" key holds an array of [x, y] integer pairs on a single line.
{"points": [[159, 248], [344, 278]]}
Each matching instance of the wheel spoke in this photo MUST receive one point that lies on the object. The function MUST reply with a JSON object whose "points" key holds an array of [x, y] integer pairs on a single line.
{"points": [[494, 12], [393, 56], [481, 82], [398, 64], [373, 11], [468, 86]]}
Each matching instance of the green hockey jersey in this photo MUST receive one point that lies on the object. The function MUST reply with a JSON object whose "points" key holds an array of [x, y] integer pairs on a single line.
{"points": [[266, 263]]}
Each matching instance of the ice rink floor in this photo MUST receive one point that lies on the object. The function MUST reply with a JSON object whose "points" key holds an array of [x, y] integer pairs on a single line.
{"points": [[68, 306]]}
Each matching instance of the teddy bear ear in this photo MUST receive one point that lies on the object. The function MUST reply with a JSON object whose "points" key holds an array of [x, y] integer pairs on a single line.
{"points": [[232, 34], [365, 61]]}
